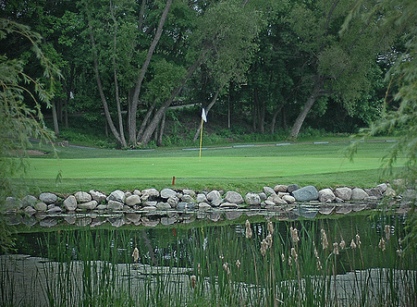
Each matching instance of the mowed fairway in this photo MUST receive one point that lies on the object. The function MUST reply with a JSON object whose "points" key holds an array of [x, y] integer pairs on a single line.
{"points": [[312, 162]]}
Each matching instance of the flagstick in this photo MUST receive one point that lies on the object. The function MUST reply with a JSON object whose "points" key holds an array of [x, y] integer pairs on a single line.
{"points": [[201, 137]]}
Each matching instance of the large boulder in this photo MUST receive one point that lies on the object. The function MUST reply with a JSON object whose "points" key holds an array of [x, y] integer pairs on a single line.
{"points": [[70, 203], [29, 200], [114, 205], [252, 199], [214, 198], [91, 205], [133, 200], [307, 193], [326, 195], [117, 195], [83, 197], [359, 194], [98, 196], [280, 188], [167, 193], [343, 193], [233, 197], [48, 198]]}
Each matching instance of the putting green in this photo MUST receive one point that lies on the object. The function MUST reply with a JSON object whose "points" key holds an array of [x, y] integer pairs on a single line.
{"points": [[194, 167]]}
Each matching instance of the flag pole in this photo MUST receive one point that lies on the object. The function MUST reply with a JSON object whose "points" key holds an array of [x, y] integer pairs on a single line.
{"points": [[203, 119], [201, 137]]}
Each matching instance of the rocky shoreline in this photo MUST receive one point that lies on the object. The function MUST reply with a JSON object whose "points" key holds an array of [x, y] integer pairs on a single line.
{"points": [[150, 207]]}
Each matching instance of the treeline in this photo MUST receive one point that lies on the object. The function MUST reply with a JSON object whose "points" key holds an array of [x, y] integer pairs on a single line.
{"points": [[275, 64]]}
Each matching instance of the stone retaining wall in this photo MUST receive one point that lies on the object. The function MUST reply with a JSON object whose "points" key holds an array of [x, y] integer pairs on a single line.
{"points": [[168, 206]]}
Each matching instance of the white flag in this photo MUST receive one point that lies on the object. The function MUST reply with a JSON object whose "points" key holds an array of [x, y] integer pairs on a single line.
{"points": [[203, 115]]}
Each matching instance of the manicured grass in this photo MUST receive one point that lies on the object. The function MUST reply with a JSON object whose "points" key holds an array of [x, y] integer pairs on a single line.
{"points": [[244, 167]]}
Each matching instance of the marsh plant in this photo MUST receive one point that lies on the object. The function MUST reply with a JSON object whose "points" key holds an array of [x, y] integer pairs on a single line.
{"points": [[271, 263]]}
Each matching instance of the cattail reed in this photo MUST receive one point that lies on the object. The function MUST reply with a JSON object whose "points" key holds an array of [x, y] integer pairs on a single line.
{"points": [[264, 247], [193, 281], [271, 227], [358, 240], [294, 253], [342, 244], [238, 263], [226, 268], [381, 244], [353, 244], [387, 231], [294, 235], [336, 248], [248, 231], [268, 240], [324, 242]]}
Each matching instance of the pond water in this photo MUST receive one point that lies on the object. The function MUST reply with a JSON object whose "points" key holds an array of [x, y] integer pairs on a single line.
{"points": [[319, 262]]}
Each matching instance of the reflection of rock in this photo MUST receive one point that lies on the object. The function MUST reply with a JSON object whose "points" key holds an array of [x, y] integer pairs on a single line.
{"points": [[83, 221], [48, 222], [13, 219], [116, 221], [214, 216], [168, 220], [29, 221], [232, 215]]}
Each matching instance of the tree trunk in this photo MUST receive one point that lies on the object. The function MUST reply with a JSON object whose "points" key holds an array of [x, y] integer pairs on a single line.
{"points": [[274, 118], [211, 104], [55, 119], [101, 92], [145, 121], [161, 131], [135, 100], [307, 107], [147, 134]]}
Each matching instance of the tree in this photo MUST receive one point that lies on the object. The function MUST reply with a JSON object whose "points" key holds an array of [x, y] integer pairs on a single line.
{"points": [[341, 67], [398, 17], [21, 122]]}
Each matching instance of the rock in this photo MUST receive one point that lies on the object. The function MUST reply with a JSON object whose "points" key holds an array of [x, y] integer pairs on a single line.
{"points": [[288, 199], [167, 193], [173, 201], [201, 198], [118, 196], [91, 205], [390, 192], [149, 208], [127, 194], [228, 205], [84, 221], [268, 191], [152, 193], [188, 192], [163, 206], [292, 187], [204, 206], [187, 198], [83, 197], [29, 210], [114, 205], [382, 187], [252, 199], [41, 206], [101, 207], [48, 222], [133, 217], [281, 188], [168, 220], [277, 200], [214, 198], [133, 200], [233, 197], [326, 196], [343, 193], [12, 204], [263, 196], [307, 193], [358, 194], [48, 198], [54, 209], [70, 203], [97, 196], [29, 200]]}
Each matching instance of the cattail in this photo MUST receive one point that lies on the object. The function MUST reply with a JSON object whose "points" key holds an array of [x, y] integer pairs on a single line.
{"points": [[268, 240], [294, 253], [199, 268], [358, 240], [319, 266], [283, 257], [336, 248], [135, 255], [352, 244], [399, 252], [289, 261], [248, 231], [221, 257], [387, 231], [226, 268], [342, 244], [271, 228], [324, 241], [238, 263], [193, 281], [294, 235], [381, 244], [264, 247]]}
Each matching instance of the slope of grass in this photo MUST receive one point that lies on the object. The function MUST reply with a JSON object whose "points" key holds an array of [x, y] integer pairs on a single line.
{"points": [[243, 167]]}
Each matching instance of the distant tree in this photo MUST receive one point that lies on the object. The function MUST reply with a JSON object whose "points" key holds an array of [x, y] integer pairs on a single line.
{"points": [[21, 100]]}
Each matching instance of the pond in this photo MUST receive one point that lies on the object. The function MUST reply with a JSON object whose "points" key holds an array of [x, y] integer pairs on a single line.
{"points": [[357, 260]]}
